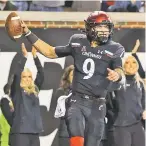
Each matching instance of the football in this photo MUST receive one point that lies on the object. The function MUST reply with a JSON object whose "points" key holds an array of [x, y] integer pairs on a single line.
{"points": [[13, 26]]}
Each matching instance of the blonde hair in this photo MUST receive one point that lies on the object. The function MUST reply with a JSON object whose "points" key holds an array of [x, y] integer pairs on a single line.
{"points": [[127, 58], [139, 80], [137, 77], [29, 89], [144, 80]]}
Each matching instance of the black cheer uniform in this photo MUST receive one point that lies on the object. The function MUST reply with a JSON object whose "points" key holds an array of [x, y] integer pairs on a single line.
{"points": [[130, 104], [27, 123]]}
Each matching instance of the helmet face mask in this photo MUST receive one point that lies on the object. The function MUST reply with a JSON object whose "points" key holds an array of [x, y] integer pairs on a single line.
{"points": [[99, 27], [101, 33]]}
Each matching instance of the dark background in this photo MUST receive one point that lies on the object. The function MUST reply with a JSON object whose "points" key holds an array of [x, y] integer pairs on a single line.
{"points": [[57, 36], [127, 37]]}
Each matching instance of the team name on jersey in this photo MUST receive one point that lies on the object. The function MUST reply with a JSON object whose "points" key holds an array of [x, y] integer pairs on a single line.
{"points": [[90, 54]]}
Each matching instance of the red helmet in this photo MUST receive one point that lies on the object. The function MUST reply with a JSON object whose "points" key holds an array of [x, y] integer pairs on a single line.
{"points": [[94, 19], [98, 17]]}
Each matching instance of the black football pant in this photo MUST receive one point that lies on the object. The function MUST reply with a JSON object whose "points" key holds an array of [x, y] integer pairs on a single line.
{"points": [[24, 140], [110, 138], [103, 143], [85, 118], [129, 136], [63, 133]]}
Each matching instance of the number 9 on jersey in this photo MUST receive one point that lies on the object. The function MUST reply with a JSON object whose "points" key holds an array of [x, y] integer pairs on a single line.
{"points": [[89, 71]]}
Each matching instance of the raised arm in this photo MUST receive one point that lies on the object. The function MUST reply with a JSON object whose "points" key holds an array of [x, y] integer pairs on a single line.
{"points": [[44, 48], [17, 75], [140, 70], [40, 73]]}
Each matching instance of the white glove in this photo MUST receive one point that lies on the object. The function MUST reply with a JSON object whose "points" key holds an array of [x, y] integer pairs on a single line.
{"points": [[60, 108]]}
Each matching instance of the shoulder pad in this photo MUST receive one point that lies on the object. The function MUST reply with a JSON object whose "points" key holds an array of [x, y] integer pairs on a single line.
{"points": [[78, 36], [116, 49]]}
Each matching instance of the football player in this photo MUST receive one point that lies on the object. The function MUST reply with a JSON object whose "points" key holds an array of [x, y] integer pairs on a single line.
{"points": [[98, 63]]}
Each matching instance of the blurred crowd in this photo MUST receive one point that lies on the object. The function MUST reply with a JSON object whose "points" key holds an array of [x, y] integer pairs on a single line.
{"points": [[74, 5]]}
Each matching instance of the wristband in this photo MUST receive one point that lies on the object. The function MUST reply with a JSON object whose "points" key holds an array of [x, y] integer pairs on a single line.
{"points": [[32, 38], [28, 33]]}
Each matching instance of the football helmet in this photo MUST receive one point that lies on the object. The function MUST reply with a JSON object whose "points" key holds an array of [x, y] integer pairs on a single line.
{"points": [[94, 19]]}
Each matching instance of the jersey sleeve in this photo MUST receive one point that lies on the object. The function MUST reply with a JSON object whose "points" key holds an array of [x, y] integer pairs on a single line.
{"points": [[117, 58], [63, 51]]}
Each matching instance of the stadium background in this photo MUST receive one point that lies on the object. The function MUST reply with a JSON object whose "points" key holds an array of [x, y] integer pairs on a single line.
{"points": [[56, 29]]}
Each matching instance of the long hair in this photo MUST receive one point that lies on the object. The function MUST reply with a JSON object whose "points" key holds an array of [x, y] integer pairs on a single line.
{"points": [[139, 80], [144, 80], [65, 82], [137, 77], [32, 88]]}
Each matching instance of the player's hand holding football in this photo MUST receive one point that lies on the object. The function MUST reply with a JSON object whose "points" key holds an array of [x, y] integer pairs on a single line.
{"points": [[113, 75], [24, 51], [25, 28], [34, 51]]}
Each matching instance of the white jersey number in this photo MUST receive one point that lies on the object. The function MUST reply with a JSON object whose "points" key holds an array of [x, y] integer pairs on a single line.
{"points": [[89, 71]]}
